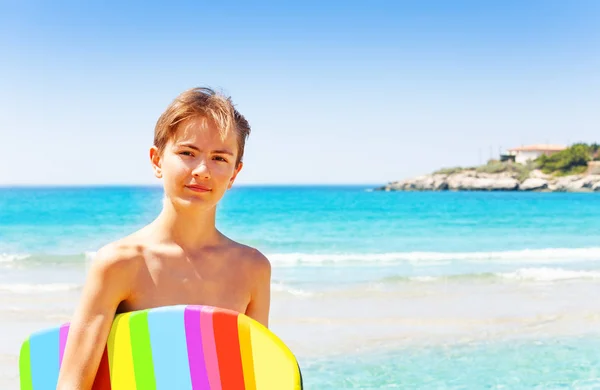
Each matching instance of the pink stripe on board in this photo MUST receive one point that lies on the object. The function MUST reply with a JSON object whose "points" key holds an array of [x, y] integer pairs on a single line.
{"points": [[210, 348], [62, 341], [193, 335]]}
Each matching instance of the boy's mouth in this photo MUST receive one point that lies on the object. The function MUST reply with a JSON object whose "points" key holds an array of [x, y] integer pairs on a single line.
{"points": [[199, 188]]}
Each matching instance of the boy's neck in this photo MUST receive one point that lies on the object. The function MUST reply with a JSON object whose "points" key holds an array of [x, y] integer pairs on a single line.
{"points": [[186, 228]]}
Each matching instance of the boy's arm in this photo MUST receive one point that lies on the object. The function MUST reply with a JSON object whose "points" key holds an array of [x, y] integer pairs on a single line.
{"points": [[260, 300], [108, 283]]}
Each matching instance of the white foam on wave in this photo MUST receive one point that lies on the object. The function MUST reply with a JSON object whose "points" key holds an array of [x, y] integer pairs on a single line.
{"points": [[23, 288], [280, 287], [9, 258], [526, 255], [424, 278], [537, 274], [89, 258], [545, 274]]}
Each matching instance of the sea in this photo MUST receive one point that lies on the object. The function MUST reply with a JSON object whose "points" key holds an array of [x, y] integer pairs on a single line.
{"points": [[370, 289]]}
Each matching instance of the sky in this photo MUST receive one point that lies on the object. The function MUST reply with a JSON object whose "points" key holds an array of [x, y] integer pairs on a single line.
{"points": [[352, 92]]}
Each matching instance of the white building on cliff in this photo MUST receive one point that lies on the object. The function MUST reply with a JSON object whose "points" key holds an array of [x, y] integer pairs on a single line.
{"points": [[523, 154]]}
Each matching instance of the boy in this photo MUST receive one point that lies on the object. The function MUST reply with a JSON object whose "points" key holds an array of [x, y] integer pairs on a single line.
{"points": [[179, 258]]}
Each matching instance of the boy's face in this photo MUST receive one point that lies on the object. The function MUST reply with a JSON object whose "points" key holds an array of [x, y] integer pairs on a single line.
{"points": [[198, 164]]}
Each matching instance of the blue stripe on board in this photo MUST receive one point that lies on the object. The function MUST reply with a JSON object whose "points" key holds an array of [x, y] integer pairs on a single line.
{"points": [[169, 348], [44, 347]]}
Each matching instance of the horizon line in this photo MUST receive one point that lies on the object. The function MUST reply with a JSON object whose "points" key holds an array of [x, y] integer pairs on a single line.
{"points": [[140, 185]]}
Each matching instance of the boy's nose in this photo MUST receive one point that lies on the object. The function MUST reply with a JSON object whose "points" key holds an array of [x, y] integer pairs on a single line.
{"points": [[201, 170]]}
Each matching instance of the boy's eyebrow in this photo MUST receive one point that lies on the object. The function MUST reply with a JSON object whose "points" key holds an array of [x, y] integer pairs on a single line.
{"points": [[223, 152], [192, 146]]}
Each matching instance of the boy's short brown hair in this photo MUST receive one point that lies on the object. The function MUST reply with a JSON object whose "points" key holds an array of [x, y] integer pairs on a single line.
{"points": [[202, 102]]}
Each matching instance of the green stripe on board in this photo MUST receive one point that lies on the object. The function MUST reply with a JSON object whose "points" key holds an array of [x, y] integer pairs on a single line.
{"points": [[25, 367], [142, 351]]}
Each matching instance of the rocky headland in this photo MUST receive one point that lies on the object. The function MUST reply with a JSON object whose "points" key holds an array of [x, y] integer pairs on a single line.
{"points": [[474, 180]]}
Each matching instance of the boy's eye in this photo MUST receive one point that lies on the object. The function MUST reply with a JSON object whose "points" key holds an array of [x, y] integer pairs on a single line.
{"points": [[186, 153], [219, 158]]}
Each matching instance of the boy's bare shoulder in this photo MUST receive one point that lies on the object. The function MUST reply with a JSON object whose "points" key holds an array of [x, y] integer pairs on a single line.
{"points": [[251, 257], [122, 257]]}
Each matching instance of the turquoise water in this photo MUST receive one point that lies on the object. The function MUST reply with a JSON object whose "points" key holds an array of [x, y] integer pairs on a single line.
{"points": [[313, 219], [370, 289], [553, 364]]}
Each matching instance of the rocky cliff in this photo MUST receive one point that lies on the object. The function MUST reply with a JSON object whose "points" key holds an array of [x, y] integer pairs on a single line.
{"points": [[471, 180]]}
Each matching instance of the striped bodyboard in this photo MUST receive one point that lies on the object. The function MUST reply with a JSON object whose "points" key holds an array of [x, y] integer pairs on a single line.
{"points": [[173, 347]]}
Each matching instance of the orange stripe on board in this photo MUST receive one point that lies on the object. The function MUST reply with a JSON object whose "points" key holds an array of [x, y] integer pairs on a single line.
{"points": [[225, 324], [246, 351]]}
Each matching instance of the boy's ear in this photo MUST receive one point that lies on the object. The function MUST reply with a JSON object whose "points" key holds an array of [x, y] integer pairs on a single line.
{"points": [[155, 161], [235, 173]]}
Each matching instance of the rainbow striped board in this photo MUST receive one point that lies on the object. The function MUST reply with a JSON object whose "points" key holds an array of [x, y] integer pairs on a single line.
{"points": [[172, 347]]}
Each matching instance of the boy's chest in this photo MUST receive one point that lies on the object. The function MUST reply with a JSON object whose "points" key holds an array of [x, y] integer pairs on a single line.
{"points": [[167, 282]]}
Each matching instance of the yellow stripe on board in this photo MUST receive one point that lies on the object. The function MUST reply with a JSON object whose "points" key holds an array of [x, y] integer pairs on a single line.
{"points": [[275, 366], [246, 352], [120, 359]]}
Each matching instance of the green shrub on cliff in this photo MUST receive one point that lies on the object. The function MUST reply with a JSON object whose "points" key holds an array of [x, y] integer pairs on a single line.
{"points": [[449, 171], [595, 151], [570, 161], [520, 171], [495, 166]]}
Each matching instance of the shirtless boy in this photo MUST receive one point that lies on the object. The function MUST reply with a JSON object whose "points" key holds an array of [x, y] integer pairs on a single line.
{"points": [[180, 257]]}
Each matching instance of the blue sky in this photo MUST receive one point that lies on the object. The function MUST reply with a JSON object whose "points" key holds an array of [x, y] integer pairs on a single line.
{"points": [[353, 92]]}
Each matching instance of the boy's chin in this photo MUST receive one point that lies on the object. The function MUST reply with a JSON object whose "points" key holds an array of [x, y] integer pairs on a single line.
{"points": [[196, 201]]}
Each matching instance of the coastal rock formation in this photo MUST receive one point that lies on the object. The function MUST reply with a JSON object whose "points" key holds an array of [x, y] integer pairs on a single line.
{"points": [[575, 183], [428, 182], [471, 180], [538, 174], [534, 184], [470, 183]]}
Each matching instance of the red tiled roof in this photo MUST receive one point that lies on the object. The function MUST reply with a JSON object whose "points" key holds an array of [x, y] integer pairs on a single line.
{"points": [[539, 148]]}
